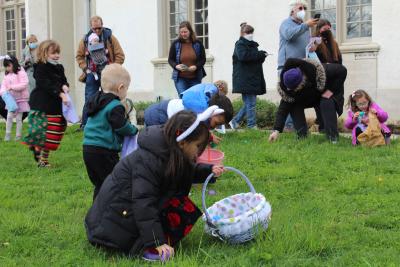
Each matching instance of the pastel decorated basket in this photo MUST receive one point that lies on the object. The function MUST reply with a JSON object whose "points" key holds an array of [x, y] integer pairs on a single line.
{"points": [[238, 218]]}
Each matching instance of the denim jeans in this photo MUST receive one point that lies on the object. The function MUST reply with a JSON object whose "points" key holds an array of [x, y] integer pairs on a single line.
{"points": [[248, 110], [182, 84], [92, 87]]}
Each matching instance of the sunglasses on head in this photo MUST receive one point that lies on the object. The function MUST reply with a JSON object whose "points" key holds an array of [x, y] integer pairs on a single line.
{"points": [[302, 7]]}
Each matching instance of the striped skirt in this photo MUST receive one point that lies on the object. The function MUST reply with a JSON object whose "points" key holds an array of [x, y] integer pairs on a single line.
{"points": [[45, 131]]}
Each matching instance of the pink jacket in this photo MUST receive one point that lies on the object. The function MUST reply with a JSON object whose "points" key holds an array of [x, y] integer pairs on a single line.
{"points": [[382, 117], [18, 83]]}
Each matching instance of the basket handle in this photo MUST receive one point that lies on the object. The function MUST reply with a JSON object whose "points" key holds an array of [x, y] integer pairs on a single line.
{"points": [[203, 192]]}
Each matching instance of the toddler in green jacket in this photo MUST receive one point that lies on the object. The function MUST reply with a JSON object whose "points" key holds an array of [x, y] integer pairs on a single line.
{"points": [[107, 125]]}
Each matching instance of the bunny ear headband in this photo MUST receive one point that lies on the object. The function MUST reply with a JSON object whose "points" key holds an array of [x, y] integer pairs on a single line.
{"points": [[208, 113], [5, 57]]}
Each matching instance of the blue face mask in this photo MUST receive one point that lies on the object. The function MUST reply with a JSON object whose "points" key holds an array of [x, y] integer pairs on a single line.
{"points": [[33, 45], [54, 62]]}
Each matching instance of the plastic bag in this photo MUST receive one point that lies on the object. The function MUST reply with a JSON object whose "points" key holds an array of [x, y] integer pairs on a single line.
{"points": [[11, 104], [129, 145], [69, 111]]}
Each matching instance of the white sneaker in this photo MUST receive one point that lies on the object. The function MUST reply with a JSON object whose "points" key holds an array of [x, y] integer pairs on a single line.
{"points": [[233, 125], [221, 129]]}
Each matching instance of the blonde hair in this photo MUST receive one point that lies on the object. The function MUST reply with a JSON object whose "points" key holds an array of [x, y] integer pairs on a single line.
{"points": [[45, 48], [30, 37], [222, 86], [96, 18], [113, 76]]}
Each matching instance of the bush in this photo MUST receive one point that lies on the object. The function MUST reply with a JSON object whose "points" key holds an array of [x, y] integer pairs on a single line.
{"points": [[140, 107], [265, 112]]}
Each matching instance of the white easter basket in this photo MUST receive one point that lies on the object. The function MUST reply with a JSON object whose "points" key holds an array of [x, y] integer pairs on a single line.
{"points": [[238, 218]]}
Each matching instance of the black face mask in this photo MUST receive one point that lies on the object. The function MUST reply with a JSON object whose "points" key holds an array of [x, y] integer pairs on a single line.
{"points": [[326, 34]]}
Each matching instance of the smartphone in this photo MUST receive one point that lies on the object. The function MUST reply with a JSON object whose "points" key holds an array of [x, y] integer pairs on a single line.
{"points": [[317, 16]]}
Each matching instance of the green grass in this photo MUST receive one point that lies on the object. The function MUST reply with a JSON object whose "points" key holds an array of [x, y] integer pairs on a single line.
{"points": [[333, 205]]}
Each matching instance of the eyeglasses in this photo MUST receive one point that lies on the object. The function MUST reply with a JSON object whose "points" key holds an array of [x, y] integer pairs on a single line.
{"points": [[302, 7], [362, 104], [97, 29]]}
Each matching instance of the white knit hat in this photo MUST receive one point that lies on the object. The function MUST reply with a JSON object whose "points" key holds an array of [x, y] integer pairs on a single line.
{"points": [[92, 37]]}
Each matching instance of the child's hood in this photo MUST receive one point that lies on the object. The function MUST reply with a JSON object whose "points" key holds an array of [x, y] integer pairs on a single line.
{"points": [[99, 101], [153, 140]]}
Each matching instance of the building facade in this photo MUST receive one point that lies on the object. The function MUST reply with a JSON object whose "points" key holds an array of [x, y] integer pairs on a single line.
{"points": [[365, 30]]}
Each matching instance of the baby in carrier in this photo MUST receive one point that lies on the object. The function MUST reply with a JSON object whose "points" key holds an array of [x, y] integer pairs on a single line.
{"points": [[97, 53]]}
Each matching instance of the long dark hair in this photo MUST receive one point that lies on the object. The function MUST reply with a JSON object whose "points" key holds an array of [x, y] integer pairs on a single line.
{"points": [[14, 62], [178, 163], [223, 102], [352, 101], [186, 24], [335, 53]]}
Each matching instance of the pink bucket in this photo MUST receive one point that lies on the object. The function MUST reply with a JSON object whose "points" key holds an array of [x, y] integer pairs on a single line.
{"points": [[211, 156]]}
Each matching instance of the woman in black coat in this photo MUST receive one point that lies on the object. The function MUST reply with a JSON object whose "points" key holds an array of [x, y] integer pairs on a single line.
{"points": [[306, 84], [132, 212], [248, 76]]}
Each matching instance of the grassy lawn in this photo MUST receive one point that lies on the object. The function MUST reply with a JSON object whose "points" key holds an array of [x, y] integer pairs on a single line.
{"points": [[333, 205]]}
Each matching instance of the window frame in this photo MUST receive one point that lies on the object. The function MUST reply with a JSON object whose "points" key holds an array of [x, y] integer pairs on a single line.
{"points": [[15, 5], [191, 18], [341, 25]]}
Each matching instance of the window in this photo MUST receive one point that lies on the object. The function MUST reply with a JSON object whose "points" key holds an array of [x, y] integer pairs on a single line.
{"points": [[22, 26], [9, 16], [358, 18], [195, 11], [351, 19], [14, 30], [327, 9]]}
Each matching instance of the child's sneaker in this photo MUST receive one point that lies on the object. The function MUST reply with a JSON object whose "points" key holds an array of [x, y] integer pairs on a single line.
{"points": [[152, 255], [44, 164], [233, 125], [7, 137]]}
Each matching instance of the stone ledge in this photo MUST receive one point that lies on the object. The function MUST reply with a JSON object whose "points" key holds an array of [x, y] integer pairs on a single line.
{"points": [[359, 48]]}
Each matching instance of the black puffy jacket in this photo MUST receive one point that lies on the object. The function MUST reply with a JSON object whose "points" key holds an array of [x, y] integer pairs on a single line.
{"points": [[126, 213], [248, 75], [49, 82]]}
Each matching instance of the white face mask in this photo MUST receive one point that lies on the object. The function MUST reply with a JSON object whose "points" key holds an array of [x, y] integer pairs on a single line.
{"points": [[248, 37], [301, 15]]}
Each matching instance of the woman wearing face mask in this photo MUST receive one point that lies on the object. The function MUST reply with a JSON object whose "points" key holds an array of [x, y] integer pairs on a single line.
{"points": [[328, 51], [29, 58], [187, 57], [248, 76]]}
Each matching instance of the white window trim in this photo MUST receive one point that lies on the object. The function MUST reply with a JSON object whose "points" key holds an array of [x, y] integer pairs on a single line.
{"points": [[190, 18], [16, 5], [354, 44]]}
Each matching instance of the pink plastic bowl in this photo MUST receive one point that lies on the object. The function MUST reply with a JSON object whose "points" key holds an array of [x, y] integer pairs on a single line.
{"points": [[211, 156]]}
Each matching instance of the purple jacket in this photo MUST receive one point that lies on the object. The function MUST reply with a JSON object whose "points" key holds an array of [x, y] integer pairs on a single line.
{"points": [[382, 117]]}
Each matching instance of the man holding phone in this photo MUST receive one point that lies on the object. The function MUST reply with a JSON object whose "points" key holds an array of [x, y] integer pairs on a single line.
{"points": [[294, 37]]}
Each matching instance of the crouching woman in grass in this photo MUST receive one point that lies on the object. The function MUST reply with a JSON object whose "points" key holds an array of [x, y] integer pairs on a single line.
{"points": [[143, 207]]}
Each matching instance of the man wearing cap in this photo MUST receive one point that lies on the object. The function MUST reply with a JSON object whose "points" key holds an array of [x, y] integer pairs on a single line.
{"points": [[305, 83]]}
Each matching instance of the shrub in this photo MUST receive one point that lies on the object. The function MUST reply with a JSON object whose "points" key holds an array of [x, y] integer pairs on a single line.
{"points": [[140, 107], [265, 112]]}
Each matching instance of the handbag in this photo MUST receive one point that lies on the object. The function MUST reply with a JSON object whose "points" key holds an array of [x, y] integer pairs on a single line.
{"points": [[11, 104]]}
